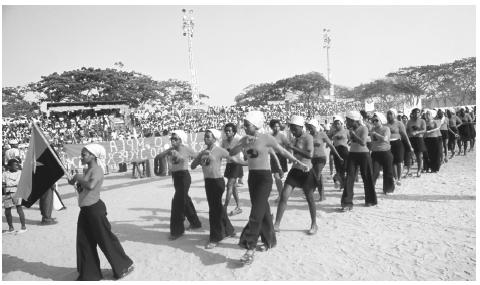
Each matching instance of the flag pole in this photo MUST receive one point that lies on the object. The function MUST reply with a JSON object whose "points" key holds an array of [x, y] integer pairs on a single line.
{"points": [[50, 148]]}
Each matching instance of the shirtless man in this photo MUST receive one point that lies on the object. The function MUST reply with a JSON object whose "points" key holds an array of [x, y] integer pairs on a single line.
{"points": [[211, 160], [233, 170], [182, 206], [358, 157], [278, 171], [453, 123], [416, 128], [257, 147], [398, 134], [319, 158], [433, 142], [340, 137], [299, 176]]}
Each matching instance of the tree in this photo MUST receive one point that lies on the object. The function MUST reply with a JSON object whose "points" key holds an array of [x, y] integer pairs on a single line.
{"points": [[255, 94], [309, 85], [14, 103], [454, 80], [343, 91], [90, 84]]}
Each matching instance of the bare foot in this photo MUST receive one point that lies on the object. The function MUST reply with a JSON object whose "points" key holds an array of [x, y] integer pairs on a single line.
{"points": [[276, 228]]}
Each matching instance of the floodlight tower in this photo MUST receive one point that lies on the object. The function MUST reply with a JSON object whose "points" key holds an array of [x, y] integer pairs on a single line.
{"points": [[188, 25], [326, 45]]}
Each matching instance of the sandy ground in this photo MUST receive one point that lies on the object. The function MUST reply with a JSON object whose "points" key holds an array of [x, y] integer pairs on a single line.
{"points": [[425, 231]]}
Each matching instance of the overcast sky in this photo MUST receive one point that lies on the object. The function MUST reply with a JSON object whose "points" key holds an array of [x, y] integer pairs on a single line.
{"points": [[234, 46]]}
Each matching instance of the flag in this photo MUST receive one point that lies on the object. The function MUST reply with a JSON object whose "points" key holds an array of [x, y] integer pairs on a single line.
{"points": [[41, 169]]}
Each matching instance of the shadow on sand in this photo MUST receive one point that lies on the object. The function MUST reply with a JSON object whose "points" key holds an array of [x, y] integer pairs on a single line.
{"points": [[191, 241], [40, 269]]}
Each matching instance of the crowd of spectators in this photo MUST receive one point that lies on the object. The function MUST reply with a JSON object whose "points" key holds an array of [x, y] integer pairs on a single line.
{"points": [[86, 126], [166, 118]]}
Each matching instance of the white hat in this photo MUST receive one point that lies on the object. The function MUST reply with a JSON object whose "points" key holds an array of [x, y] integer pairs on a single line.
{"points": [[314, 122], [181, 134], [380, 116], [297, 120], [216, 133], [354, 115], [13, 142], [255, 118], [338, 118], [97, 150]]}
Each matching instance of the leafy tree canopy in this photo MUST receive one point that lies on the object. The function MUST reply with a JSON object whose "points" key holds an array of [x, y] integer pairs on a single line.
{"points": [[309, 86]]}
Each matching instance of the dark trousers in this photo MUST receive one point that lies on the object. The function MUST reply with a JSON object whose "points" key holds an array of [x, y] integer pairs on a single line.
{"points": [[341, 167], [260, 221], [182, 205], [136, 168], [452, 141], [46, 204], [220, 225], [93, 228], [364, 161], [318, 163], [434, 150], [383, 160]]}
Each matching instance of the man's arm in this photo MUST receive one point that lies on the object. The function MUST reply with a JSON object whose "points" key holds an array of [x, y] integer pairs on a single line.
{"points": [[307, 152], [196, 161], [279, 149]]}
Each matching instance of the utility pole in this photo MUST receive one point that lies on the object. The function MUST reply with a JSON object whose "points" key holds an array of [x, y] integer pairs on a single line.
{"points": [[326, 45], [188, 25]]}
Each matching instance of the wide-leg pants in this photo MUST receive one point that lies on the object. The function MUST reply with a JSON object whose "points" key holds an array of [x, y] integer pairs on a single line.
{"points": [[434, 150], [364, 161], [46, 204], [260, 221], [182, 205], [341, 167], [220, 225], [93, 228], [383, 160]]}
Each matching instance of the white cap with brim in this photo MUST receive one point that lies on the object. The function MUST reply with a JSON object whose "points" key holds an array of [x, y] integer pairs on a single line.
{"points": [[381, 117], [97, 150], [297, 120], [314, 122], [354, 115], [181, 134], [255, 118]]}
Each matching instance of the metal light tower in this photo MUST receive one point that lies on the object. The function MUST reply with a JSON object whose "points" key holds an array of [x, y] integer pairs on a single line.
{"points": [[326, 45], [188, 32]]}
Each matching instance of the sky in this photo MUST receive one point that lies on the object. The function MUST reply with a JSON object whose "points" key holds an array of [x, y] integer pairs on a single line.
{"points": [[234, 45]]}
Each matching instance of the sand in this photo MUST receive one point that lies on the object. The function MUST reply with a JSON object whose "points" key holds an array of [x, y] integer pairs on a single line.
{"points": [[425, 231]]}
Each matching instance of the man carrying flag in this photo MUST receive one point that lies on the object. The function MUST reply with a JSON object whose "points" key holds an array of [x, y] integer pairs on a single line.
{"points": [[41, 169]]}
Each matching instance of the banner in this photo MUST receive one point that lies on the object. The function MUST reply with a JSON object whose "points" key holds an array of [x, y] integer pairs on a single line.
{"points": [[129, 150]]}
